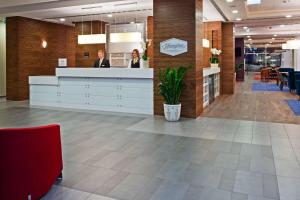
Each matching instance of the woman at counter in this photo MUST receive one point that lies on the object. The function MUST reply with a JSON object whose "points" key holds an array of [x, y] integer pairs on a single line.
{"points": [[136, 61]]}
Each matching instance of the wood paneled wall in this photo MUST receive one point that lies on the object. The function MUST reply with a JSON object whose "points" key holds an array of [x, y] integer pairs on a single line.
{"points": [[213, 32], [25, 55], [86, 28], [150, 36], [228, 59], [182, 20]]}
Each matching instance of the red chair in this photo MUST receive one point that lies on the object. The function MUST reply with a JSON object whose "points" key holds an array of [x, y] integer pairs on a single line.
{"points": [[30, 161]]}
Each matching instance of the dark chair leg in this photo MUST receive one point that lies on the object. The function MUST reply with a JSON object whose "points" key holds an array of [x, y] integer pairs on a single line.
{"points": [[59, 178]]}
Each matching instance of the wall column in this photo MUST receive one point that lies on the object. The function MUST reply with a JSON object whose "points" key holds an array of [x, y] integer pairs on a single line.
{"points": [[228, 59], [181, 20]]}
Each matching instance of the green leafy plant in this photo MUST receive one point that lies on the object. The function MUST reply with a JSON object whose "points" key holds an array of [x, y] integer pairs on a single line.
{"points": [[239, 67], [171, 84]]}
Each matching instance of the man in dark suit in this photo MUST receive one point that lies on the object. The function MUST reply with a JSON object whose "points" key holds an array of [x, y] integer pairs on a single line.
{"points": [[101, 62]]}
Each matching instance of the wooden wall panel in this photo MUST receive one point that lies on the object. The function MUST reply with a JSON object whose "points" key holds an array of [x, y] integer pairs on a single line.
{"points": [[228, 59], [150, 40], [213, 32], [26, 57], [86, 28], [182, 20]]}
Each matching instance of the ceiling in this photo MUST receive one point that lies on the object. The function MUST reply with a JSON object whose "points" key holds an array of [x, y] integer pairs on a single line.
{"points": [[123, 11], [262, 21]]}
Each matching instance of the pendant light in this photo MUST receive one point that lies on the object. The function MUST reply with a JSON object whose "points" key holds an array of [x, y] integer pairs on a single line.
{"points": [[127, 37], [92, 38]]}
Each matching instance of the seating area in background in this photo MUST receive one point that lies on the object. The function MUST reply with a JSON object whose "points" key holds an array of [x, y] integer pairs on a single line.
{"points": [[275, 79], [284, 77], [31, 161]]}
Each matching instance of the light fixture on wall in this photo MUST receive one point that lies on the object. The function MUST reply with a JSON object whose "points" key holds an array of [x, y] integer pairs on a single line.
{"points": [[44, 44], [91, 38], [205, 43]]}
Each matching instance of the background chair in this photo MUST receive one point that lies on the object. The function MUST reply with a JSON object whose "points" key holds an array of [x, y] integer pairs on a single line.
{"points": [[31, 161], [297, 83]]}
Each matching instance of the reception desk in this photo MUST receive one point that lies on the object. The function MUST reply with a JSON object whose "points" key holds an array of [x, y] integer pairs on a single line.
{"points": [[114, 89]]}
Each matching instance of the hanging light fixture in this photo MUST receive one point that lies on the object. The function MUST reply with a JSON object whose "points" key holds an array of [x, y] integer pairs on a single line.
{"points": [[127, 36], [92, 38]]}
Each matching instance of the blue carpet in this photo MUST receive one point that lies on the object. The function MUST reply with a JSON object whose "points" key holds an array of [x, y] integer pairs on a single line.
{"points": [[272, 87], [294, 105]]}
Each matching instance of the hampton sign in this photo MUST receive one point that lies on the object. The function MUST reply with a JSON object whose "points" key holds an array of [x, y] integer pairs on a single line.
{"points": [[173, 47]]}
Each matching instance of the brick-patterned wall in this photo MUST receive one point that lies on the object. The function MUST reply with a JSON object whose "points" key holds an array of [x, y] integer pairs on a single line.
{"points": [[26, 57], [86, 28], [182, 20]]}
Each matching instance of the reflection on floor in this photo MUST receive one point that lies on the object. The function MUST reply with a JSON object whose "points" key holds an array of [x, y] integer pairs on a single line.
{"points": [[146, 158], [246, 104]]}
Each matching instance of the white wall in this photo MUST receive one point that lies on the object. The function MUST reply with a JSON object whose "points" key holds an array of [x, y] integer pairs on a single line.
{"points": [[297, 59], [287, 59], [2, 59]]}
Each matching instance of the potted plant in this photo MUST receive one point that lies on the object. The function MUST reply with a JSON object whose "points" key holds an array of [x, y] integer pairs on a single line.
{"points": [[214, 60], [145, 57], [240, 73], [170, 87]]}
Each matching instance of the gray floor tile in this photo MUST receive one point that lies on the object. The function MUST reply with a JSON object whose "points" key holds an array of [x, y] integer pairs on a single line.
{"points": [[170, 191], [249, 183]]}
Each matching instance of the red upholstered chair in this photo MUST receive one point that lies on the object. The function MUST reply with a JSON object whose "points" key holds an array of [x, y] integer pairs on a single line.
{"points": [[30, 161]]}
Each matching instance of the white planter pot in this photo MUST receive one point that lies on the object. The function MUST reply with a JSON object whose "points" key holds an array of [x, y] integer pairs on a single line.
{"points": [[214, 64], [172, 112]]}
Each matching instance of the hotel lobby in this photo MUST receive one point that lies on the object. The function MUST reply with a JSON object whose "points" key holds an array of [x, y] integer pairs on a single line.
{"points": [[150, 100]]}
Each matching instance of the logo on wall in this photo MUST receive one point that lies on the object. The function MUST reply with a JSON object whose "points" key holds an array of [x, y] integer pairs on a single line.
{"points": [[173, 47]]}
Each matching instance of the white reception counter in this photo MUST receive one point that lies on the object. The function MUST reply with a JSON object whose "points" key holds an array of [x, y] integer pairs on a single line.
{"points": [[113, 89]]}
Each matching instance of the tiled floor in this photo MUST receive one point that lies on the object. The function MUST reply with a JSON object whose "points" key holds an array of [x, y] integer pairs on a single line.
{"points": [[146, 158]]}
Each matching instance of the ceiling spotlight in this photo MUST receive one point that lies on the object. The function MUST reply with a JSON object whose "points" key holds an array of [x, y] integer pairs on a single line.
{"points": [[238, 19], [252, 2], [275, 35], [62, 19], [288, 16], [132, 22], [235, 11], [273, 38], [109, 15], [245, 27], [249, 39], [248, 36], [229, 1]]}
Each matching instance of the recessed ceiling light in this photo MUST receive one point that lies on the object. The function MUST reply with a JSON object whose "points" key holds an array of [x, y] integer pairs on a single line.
{"points": [[109, 15], [273, 38], [238, 19], [251, 2], [132, 22], [249, 39], [229, 1], [245, 27], [248, 36], [62, 19], [275, 35], [235, 11], [288, 16]]}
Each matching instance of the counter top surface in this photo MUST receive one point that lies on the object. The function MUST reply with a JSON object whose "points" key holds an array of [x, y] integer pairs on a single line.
{"points": [[105, 72], [211, 70]]}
